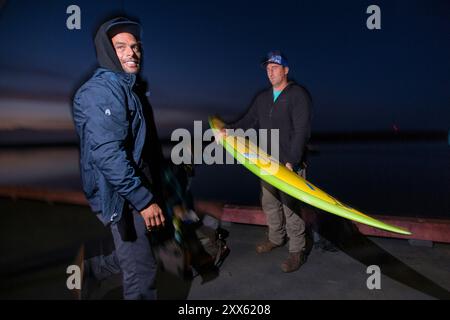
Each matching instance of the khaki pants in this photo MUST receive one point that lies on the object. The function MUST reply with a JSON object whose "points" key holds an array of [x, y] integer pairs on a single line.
{"points": [[283, 218]]}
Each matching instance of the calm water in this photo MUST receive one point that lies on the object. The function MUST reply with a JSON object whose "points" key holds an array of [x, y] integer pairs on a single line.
{"points": [[410, 179]]}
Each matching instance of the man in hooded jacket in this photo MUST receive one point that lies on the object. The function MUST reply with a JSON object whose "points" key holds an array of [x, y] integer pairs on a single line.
{"points": [[120, 154]]}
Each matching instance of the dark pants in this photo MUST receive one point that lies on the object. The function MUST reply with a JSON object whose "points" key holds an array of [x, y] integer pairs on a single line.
{"points": [[135, 257], [283, 218]]}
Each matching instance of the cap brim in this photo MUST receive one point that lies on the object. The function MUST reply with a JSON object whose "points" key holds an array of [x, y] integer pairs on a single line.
{"points": [[265, 63], [124, 26]]}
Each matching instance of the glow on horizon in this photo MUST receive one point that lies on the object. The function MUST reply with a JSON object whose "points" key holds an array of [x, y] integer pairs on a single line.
{"points": [[37, 115], [16, 113]]}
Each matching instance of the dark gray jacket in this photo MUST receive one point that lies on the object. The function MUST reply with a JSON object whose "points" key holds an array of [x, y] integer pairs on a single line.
{"points": [[290, 113]]}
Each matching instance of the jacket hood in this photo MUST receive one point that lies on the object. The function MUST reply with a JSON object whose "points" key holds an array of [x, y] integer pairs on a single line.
{"points": [[106, 55]]}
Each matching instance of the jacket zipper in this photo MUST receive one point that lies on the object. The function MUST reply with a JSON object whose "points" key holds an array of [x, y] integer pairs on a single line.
{"points": [[136, 103], [274, 102], [271, 109]]}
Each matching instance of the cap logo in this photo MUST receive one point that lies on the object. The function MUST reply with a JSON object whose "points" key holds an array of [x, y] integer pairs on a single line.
{"points": [[275, 59]]}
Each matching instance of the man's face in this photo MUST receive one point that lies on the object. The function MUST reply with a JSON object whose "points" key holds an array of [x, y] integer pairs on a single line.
{"points": [[277, 74], [128, 51]]}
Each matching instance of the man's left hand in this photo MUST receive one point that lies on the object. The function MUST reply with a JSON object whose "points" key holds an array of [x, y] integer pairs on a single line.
{"points": [[289, 166]]}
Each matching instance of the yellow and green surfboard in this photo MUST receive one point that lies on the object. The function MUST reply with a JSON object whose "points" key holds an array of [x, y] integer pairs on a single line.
{"points": [[268, 169]]}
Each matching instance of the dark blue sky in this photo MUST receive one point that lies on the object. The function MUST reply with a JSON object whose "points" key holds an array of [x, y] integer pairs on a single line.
{"points": [[204, 56]]}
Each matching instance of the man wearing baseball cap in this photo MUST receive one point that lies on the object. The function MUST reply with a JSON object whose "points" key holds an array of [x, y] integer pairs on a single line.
{"points": [[285, 106], [120, 155]]}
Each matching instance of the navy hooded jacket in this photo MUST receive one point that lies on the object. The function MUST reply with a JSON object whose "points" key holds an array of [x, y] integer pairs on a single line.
{"points": [[114, 123]]}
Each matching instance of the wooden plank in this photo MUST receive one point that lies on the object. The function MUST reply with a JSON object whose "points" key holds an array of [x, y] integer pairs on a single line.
{"points": [[48, 195], [437, 230], [211, 208], [241, 214]]}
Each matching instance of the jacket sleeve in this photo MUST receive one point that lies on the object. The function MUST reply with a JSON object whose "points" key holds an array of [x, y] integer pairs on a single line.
{"points": [[248, 121], [301, 126], [107, 128]]}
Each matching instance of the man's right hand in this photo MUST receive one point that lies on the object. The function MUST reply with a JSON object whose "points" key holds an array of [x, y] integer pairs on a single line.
{"points": [[222, 133], [153, 216]]}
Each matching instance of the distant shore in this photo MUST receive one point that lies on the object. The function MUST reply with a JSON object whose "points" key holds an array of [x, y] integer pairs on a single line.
{"points": [[24, 138]]}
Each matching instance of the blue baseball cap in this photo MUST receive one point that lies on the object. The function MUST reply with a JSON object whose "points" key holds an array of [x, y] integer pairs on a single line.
{"points": [[276, 57]]}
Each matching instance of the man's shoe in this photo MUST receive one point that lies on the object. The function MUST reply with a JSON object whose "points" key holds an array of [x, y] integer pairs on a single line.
{"points": [[266, 246], [293, 262]]}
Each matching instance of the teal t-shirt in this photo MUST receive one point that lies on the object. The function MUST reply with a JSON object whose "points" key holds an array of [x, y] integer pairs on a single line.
{"points": [[276, 94]]}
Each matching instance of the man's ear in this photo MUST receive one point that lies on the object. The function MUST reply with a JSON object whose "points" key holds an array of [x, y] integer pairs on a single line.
{"points": [[286, 70]]}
